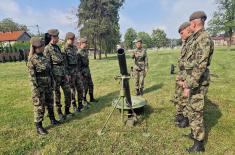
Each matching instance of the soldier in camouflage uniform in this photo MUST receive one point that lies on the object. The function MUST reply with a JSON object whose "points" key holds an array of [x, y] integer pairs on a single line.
{"points": [[179, 100], [141, 66], [41, 80], [85, 71], [74, 70], [59, 68], [197, 80]]}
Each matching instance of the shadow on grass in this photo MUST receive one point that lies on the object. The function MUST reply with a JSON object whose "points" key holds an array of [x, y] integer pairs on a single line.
{"points": [[104, 101], [153, 88], [211, 116]]}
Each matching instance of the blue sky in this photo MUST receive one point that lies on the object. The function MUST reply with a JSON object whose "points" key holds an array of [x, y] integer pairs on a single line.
{"points": [[142, 15]]}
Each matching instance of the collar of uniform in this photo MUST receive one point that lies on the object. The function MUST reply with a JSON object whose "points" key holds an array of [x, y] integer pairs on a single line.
{"points": [[189, 38], [198, 33]]}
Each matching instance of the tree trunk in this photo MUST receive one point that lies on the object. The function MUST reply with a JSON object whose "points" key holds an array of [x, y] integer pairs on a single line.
{"points": [[94, 43], [100, 49]]}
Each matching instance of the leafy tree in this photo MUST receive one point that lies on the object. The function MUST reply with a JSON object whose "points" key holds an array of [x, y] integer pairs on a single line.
{"points": [[8, 24], [146, 38], [223, 19], [129, 37], [159, 38]]}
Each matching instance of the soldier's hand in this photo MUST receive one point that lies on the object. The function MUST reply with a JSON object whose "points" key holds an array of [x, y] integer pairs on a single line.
{"points": [[186, 92]]}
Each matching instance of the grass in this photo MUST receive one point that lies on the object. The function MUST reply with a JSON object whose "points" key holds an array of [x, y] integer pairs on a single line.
{"points": [[78, 134]]}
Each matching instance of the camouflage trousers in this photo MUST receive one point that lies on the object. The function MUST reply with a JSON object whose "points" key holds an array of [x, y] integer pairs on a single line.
{"points": [[195, 110], [42, 97], [88, 84], [180, 101], [60, 81], [139, 76], [76, 87]]}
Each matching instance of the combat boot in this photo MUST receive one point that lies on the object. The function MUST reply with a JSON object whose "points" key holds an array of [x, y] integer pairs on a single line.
{"points": [[198, 146], [67, 112], [179, 118], [74, 106], [141, 91], [92, 99], [60, 114], [80, 106], [40, 129], [137, 92], [52, 117], [184, 123]]}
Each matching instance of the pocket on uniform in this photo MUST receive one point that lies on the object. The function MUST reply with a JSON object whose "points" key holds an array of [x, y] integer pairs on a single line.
{"points": [[197, 102]]}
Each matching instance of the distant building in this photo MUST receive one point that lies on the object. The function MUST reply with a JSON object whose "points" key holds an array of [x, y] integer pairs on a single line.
{"points": [[221, 40], [12, 37]]}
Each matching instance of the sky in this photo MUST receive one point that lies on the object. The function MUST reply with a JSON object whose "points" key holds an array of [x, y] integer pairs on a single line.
{"points": [[142, 15]]}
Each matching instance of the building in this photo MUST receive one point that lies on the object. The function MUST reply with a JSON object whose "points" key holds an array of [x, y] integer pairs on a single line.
{"points": [[12, 37], [221, 40]]}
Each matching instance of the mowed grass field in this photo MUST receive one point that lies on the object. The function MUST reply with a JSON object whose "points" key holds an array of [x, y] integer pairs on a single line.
{"points": [[78, 135]]}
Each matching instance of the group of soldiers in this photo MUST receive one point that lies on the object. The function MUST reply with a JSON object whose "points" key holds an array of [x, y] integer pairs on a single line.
{"points": [[51, 68], [193, 78]]}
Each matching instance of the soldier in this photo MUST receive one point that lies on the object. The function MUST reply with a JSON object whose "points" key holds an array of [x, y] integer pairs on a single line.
{"points": [[41, 80], [85, 71], [140, 68], [179, 100], [74, 69], [197, 80], [59, 68]]}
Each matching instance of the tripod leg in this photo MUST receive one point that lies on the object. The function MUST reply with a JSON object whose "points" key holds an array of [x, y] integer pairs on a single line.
{"points": [[106, 122]]}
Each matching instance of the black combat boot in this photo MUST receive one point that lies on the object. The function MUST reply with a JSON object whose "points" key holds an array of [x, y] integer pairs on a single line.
{"points": [[179, 118], [40, 129], [141, 91], [67, 112], [80, 106], [92, 99], [137, 92], [198, 146], [184, 123], [74, 106], [52, 117], [60, 114]]}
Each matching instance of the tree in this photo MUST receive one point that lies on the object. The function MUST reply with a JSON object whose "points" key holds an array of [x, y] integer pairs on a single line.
{"points": [[7, 25], [98, 21], [129, 37], [159, 38], [147, 40], [223, 19]]}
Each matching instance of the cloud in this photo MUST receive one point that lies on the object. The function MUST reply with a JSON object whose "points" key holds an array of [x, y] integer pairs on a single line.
{"points": [[46, 19]]}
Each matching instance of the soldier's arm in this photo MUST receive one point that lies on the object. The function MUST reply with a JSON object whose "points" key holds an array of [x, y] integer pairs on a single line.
{"points": [[47, 53], [32, 73], [146, 60], [201, 63]]}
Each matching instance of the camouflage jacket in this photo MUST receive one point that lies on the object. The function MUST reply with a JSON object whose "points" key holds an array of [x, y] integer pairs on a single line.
{"points": [[73, 59], [39, 68], [141, 59], [57, 59], [200, 55], [84, 56], [183, 63]]}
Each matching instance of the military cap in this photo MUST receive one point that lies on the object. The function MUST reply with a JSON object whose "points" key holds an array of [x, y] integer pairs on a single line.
{"points": [[183, 26], [83, 40], [137, 40], [53, 32], [198, 15], [70, 35], [37, 41]]}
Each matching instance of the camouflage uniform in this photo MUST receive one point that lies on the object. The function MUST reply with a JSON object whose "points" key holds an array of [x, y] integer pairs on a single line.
{"points": [[74, 70], [40, 76], [59, 70], [197, 80], [85, 72], [139, 70], [179, 100]]}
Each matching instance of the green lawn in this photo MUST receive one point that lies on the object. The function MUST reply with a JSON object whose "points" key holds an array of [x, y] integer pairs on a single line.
{"points": [[78, 135]]}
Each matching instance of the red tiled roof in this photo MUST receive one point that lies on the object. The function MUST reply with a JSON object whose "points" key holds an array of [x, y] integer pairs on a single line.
{"points": [[10, 36]]}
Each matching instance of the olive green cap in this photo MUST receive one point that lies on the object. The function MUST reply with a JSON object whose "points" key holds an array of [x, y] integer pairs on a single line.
{"points": [[37, 42], [70, 35], [198, 15], [53, 32], [183, 26], [137, 40], [83, 40]]}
